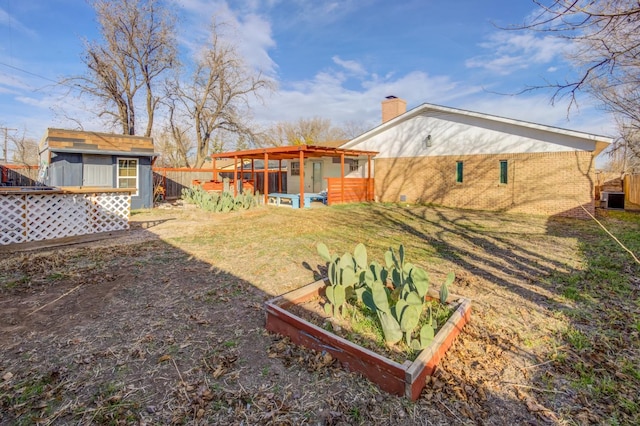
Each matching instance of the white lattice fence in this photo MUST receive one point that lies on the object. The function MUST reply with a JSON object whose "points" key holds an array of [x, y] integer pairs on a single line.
{"points": [[38, 216], [13, 223], [110, 212]]}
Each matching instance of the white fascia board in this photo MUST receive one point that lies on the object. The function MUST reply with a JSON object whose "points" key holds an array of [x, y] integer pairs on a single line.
{"points": [[426, 108]]}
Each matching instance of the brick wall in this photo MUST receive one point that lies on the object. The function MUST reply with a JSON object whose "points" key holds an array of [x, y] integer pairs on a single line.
{"points": [[538, 183]]}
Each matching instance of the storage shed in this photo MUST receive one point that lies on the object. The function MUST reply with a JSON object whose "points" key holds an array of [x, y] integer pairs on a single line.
{"points": [[72, 158]]}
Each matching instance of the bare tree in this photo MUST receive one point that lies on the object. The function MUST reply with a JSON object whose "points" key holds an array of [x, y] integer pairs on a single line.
{"points": [[175, 146], [175, 143], [137, 47], [624, 154], [606, 38], [216, 97], [353, 129], [305, 131], [25, 150]]}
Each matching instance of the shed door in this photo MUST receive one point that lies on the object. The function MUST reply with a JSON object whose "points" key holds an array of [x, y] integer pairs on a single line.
{"points": [[97, 170]]}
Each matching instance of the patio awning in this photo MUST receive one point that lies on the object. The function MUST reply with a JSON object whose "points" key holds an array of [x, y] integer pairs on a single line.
{"points": [[293, 152], [300, 152]]}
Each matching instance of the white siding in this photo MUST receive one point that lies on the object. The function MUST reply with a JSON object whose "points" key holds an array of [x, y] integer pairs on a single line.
{"points": [[454, 134]]}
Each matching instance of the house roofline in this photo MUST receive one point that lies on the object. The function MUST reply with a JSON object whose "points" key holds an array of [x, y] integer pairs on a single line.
{"points": [[104, 134], [119, 153], [599, 139]]}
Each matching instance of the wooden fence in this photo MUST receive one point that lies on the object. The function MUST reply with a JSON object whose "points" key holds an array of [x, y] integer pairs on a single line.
{"points": [[354, 190], [18, 175], [174, 180], [632, 188]]}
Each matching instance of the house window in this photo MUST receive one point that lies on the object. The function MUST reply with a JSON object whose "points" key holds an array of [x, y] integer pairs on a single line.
{"points": [[504, 168], [295, 168], [353, 165], [459, 171], [128, 173]]}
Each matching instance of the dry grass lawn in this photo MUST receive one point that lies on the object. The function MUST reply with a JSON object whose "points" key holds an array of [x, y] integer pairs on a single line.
{"points": [[165, 324]]}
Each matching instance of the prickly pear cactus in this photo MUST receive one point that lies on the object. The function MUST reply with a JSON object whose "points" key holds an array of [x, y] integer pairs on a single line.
{"points": [[396, 292], [219, 202], [344, 273], [444, 290]]}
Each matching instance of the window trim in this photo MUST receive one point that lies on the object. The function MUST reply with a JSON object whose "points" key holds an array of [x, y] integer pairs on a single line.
{"points": [[137, 162], [504, 172], [295, 171], [459, 171]]}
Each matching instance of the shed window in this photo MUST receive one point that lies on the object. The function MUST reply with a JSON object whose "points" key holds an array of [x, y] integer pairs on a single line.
{"points": [[504, 169], [295, 168], [459, 171], [128, 173]]}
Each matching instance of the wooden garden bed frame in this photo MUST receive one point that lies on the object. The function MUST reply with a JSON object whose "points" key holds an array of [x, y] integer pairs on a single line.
{"points": [[406, 379]]}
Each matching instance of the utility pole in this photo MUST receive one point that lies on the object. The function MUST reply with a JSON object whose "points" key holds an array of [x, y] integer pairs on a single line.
{"points": [[6, 129]]}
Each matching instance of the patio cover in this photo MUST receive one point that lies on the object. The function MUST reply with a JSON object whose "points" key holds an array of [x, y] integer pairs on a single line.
{"points": [[299, 152]]}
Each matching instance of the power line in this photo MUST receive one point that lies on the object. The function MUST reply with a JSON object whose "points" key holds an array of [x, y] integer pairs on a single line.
{"points": [[30, 73]]}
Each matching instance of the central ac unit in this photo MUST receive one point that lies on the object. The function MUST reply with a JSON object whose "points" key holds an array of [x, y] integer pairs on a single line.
{"points": [[612, 200]]}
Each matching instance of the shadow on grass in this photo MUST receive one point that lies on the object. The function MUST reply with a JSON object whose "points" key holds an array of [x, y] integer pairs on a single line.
{"points": [[153, 334], [590, 372], [140, 332]]}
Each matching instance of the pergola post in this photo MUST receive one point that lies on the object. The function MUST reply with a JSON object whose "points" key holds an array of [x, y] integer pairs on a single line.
{"points": [[266, 178], [214, 169], [301, 179], [369, 192], [253, 175], [342, 177], [235, 175], [279, 175]]}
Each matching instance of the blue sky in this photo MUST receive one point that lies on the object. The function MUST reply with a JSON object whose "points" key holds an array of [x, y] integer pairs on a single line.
{"points": [[330, 59]]}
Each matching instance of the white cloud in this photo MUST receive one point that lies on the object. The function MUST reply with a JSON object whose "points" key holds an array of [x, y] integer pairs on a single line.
{"points": [[256, 41], [244, 28], [11, 84], [327, 96], [511, 52], [13, 24], [353, 67], [322, 12]]}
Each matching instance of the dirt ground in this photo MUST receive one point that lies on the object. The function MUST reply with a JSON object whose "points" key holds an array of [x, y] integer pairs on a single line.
{"points": [[156, 327]]}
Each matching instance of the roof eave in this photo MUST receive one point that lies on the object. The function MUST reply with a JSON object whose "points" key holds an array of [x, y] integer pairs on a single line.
{"points": [[88, 151], [431, 107]]}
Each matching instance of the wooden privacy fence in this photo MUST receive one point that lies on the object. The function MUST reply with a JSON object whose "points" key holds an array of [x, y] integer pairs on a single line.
{"points": [[349, 190], [18, 175], [632, 188], [37, 214], [174, 180]]}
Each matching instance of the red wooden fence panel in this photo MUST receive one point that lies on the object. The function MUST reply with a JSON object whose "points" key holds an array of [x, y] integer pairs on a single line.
{"points": [[355, 190]]}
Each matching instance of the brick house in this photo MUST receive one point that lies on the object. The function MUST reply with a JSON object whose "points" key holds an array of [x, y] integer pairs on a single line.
{"points": [[463, 159]]}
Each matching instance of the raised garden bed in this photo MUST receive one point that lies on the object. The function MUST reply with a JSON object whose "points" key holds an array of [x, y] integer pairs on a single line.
{"points": [[407, 378]]}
